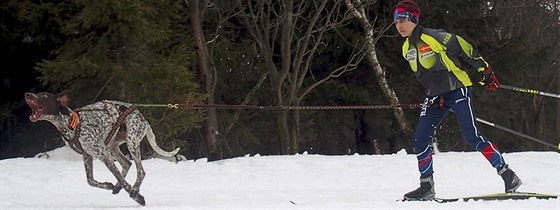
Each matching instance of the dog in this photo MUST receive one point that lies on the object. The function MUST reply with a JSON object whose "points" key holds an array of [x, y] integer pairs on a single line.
{"points": [[96, 131]]}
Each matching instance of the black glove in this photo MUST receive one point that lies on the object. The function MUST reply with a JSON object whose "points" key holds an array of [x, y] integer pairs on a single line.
{"points": [[490, 80]]}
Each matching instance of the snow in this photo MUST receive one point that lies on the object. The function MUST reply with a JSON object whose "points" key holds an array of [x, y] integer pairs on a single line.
{"points": [[300, 181]]}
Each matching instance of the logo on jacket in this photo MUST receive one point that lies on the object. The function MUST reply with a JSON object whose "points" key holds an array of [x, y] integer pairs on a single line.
{"points": [[426, 51], [425, 48], [411, 55]]}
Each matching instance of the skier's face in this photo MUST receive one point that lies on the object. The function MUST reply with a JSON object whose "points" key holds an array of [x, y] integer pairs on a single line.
{"points": [[405, 27]]}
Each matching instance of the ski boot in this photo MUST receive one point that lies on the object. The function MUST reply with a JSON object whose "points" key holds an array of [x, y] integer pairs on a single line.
{"points": [[424, 192], [511, 181]]}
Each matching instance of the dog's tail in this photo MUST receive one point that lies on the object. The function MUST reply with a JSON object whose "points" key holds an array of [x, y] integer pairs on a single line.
{"points": [[152, 140]]}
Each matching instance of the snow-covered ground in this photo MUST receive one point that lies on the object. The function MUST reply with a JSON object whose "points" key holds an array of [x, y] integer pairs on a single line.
{"points": [[277, 182]]}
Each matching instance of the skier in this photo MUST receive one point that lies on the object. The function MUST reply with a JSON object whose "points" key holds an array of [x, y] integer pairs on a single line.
{"points": [[434, 56]]}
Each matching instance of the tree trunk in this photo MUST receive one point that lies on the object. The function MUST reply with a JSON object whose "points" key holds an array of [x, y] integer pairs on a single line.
{"points": [[207, 76], [288, 52], [283, 133], [387, 91], [294, 131], [365, 142], [371, 37], [558, 116]]}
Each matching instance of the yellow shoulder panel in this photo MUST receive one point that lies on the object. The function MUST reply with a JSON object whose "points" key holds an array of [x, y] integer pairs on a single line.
{"points": [[447, 62]]}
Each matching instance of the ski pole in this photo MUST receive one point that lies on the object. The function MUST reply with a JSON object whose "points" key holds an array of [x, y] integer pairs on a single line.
{"points": [[525, 90], [517, 133]]}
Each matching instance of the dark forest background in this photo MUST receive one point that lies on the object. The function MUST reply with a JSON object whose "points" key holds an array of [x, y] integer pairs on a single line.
{"points": [[271, 53]]}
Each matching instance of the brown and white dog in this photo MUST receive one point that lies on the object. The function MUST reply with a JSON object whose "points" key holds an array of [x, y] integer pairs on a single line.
{"points": [[96, 131]]}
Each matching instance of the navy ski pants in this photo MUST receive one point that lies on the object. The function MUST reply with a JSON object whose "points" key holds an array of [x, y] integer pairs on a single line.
{"points": [[459, 102]]}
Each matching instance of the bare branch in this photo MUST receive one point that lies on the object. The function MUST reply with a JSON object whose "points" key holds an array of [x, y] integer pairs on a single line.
{"points": [[352, 64]]}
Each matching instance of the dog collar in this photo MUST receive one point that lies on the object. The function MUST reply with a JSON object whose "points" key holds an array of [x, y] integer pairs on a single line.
{"points": [[74, 121]]}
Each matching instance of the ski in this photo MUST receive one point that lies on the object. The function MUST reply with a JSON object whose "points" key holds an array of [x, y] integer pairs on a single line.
{"points": [[511, 196], [493, 197], [439, 200]]}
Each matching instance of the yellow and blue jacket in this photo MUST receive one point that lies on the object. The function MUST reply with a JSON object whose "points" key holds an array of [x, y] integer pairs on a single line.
{"points": [[434, 54]]}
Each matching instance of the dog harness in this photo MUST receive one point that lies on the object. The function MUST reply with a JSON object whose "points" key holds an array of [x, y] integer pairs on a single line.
{"points": [[124, 112], [74, 125]]}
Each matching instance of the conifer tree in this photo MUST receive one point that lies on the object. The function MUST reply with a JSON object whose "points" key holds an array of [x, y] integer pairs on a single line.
{"points": [[124, 50]]}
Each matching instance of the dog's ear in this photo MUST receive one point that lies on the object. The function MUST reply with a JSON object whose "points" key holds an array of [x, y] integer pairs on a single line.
{"points": [[62, 99]]}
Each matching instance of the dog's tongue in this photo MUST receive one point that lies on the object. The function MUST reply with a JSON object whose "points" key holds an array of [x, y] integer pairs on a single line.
{"points": [[34, 116], [36, 110]]}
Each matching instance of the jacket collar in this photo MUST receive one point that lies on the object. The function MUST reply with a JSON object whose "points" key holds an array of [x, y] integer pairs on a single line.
{"points": [[415, 36]]}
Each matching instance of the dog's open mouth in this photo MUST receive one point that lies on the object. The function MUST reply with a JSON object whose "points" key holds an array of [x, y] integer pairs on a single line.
{"points": [[36, 108]]}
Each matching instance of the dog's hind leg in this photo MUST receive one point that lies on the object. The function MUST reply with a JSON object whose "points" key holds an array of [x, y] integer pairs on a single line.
{"points": [[133, 193], [137, 158], [88, 164]]}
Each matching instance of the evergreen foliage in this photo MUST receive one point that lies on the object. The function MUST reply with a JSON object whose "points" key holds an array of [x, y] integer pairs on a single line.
{"points": [[141, 51], [122, 50]]}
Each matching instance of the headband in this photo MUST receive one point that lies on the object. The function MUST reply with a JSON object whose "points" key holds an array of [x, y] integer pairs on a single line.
{"points": [[403, 14]]}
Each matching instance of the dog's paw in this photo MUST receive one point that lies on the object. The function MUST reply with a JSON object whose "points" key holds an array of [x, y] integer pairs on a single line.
{"points": [[139, 198], [134, 192], [117, 188]]}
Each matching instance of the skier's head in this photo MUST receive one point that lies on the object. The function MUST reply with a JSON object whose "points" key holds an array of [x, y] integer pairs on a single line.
{"points": [[406, 17], [407, 10]]}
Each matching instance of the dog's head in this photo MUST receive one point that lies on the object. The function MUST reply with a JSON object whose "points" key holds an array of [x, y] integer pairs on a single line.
{"points": [[45, 104]]}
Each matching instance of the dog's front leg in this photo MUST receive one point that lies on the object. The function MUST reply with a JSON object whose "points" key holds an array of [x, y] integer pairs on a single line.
{"points": [[88, 163], [125, 163]]}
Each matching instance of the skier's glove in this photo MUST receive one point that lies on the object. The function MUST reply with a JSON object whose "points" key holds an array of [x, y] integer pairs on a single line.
{"points": [[489, 79]]}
